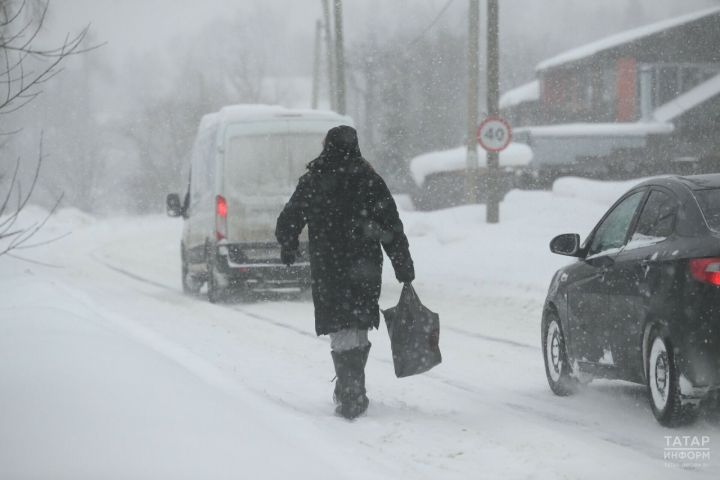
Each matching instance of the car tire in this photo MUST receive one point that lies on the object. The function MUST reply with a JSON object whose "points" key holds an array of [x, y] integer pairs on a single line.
{"points": [[190, 285], [557, 366], [663, 383]]}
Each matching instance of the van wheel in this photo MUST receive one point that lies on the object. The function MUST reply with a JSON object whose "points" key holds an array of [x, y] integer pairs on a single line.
{"points": [[663, 383], [190, 285], [216, 293], [557, 367]]}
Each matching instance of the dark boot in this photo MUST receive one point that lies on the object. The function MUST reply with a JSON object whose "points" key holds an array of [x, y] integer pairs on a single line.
{"points": [[336, 392], [350, 395]]}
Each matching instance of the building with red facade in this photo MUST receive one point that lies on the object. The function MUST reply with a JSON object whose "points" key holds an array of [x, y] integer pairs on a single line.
{"points": [[643, 101]]}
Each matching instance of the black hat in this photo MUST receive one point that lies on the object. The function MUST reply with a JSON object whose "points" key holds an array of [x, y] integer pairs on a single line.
{"points": [[341, 141]]}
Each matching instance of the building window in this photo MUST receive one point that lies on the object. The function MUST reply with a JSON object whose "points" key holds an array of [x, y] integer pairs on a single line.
{"points": [[667, 84], [670, 80]]}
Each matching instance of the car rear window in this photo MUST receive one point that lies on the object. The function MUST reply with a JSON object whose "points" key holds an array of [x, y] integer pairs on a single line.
{"points": [[709, 201]]}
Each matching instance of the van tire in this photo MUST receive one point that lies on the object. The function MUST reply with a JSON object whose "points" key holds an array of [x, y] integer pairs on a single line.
{"points": [[216, 293], [190, 284]]}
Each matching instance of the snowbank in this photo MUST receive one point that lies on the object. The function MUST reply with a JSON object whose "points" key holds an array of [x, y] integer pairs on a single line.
{"points": [[457, 253], [516, 155], [596, 191]]}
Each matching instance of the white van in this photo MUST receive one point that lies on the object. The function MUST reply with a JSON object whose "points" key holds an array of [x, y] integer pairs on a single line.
{"points": [[245, 164]]}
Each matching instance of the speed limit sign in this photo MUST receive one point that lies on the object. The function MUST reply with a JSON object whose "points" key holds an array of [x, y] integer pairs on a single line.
{"points": [[494, 134]]}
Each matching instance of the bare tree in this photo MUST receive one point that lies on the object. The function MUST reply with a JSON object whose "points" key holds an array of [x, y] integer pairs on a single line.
{"points": [[20, 25], [24, 69], [221, 65], [408, 98], [12, 238]]}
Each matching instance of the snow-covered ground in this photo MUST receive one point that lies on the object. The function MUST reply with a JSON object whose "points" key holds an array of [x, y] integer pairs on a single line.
{"points": [[108, 371]]}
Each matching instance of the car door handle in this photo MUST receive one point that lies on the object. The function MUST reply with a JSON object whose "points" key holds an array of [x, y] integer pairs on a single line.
{"points": [[646, 262]]}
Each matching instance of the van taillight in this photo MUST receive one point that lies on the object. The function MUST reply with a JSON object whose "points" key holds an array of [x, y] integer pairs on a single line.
{"points": [[221, 210], [706, 270]]}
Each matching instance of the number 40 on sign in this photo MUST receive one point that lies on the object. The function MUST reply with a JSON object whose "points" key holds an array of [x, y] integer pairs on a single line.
{"points": [[494, 134]]}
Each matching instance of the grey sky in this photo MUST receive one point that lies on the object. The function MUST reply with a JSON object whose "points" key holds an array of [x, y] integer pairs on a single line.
{"points": [[134, 26]]}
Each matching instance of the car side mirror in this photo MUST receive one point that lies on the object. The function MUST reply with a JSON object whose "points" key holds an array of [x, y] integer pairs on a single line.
{"points": [[174, 207], [567, 244]]}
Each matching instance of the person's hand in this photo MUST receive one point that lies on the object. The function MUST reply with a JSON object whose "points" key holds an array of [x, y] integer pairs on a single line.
{"points": [[405, 275], [288, 256]]}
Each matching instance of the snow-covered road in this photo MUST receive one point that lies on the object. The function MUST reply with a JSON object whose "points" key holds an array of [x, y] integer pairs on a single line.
{"points": [[108, 371]]}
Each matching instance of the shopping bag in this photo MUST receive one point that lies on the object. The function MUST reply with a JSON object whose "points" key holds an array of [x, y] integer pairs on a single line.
{"points": [[414, 334]]}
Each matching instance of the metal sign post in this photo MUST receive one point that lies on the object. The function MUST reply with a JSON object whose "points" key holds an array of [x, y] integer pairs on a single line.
{"points": [[494, 135], [493, 104], [472, 173]]}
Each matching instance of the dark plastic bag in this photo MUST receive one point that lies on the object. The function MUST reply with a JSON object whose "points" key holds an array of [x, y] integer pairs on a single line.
{"points": [[414, 334]]}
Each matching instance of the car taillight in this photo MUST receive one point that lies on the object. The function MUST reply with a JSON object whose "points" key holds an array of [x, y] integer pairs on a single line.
{"points": [[221, 210], [706, 270]]}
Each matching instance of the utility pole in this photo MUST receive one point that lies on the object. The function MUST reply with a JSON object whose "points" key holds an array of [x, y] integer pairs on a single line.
{"points": [[471, 173], [330, 51], [493, 100], [339, 59], [316, 65]]}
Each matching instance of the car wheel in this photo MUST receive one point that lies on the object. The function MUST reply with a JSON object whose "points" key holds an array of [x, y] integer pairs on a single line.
{"points": [[663, 383], [557, 367]]}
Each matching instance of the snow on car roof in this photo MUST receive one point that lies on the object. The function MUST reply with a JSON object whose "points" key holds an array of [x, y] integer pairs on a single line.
{"points": [[637, 129], [623, 38], [252, 113], [529, 92], [516, 155], [688, 100]]}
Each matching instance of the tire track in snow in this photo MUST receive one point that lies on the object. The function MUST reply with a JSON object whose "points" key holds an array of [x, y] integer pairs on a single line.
{"points": [[300, 331], [491, 339], [253, 315], [532, 412], [456, 384]]}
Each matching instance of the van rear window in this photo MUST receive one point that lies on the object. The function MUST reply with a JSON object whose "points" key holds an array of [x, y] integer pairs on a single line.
{"points": [[709, 201], [269, 164]]}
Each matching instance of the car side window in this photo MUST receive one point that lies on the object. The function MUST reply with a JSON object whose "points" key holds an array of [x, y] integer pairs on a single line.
{"points": [[611, 233], [657, 220]]}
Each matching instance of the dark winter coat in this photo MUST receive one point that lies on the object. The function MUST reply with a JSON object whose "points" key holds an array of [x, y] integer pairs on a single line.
{"points": [[350, 213]]}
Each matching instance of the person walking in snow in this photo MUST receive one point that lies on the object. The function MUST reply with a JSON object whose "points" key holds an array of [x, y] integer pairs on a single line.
{"points": [[350, 214]]}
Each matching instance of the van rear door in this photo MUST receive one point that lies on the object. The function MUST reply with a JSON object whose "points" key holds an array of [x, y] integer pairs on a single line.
{"points": [[261, 172]]}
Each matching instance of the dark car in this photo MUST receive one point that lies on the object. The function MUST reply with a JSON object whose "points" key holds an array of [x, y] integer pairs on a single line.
{"points": [[642, 303]]}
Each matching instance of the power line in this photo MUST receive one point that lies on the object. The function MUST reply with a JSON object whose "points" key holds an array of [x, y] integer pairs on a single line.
{"points": [[432, 24]]}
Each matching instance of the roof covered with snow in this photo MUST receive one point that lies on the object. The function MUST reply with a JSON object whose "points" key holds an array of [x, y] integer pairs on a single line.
{"points": [[516, 155], [530, 92], [623, 38], [639, 129], [688, 100]]}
